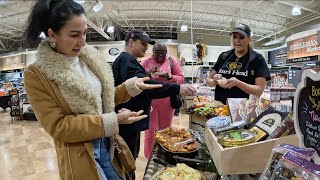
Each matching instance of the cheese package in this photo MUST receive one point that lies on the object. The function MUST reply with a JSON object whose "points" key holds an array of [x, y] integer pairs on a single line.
{"points": [[252, 108], [279, 151], [294, 167], [261, 135], [284, 128], [270, 121], [218, 122], [238, 137], [237, 109]]}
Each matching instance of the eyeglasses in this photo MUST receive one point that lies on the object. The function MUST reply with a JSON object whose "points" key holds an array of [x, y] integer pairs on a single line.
{"points": [[158, 52]]}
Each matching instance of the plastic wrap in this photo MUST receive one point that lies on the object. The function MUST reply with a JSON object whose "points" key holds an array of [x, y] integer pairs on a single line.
{"points": [[277, 154], [294, 167]]}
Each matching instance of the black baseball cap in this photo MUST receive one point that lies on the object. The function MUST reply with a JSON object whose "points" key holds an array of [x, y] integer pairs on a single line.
{"points": [[138, 34], [243, 29]]}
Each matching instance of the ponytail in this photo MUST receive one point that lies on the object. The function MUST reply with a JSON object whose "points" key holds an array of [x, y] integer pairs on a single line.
{"points": [[47, 14], [250, 45]]}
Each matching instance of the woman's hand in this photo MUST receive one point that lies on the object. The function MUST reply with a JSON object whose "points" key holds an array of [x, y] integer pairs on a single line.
{"points": [[165, 75], [212, 79], [153, 71], [232, 82], [217, 77], [125, 116], [141, 85], [187, 90]]}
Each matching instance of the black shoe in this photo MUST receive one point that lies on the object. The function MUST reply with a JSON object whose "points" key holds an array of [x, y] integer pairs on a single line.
{"points": [[176, 112]]}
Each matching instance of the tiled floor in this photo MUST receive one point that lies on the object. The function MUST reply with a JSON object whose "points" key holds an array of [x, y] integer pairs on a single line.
{"points": [[27, 151]]}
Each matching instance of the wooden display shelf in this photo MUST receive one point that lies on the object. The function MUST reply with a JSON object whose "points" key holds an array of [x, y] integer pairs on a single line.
{"points": [[197, 122], [248, 159], [197, 119]]}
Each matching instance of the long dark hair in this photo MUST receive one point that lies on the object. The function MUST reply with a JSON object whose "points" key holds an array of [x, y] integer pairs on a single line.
{"points": [[47, 14]]}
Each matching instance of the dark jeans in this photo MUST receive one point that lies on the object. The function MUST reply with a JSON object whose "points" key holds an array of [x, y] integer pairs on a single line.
{"points": [[133, 142]]}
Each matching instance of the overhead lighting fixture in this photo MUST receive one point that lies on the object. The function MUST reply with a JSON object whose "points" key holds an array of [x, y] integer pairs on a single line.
{"points": [[97, 7], [110, 29], [42, 35], [79, 1], [296, 11], [184, 28]]}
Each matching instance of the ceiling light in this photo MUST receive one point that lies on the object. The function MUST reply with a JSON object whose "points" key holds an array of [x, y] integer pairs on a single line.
{"points": [[42, 35], [184, 28], [97, 7], [79, 1], [296, 11], [110, 29]]}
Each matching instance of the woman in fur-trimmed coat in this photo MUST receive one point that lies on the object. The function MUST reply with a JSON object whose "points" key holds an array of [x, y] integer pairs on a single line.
{"points": [[65, 95], [70, 87]]}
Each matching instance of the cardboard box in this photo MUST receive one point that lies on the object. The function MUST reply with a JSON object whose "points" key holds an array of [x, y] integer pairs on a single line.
{"points": [[248, 159]]}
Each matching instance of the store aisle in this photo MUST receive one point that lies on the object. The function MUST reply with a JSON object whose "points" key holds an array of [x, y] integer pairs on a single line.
{"points": [[27, 151]]}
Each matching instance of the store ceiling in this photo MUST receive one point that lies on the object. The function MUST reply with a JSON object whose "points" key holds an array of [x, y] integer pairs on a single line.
{"points": [[163, 19]]}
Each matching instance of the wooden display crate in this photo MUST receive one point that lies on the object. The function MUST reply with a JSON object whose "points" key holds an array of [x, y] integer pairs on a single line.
{"points": [[197, 122], [194, 118], [248, 159], [187, 101]]}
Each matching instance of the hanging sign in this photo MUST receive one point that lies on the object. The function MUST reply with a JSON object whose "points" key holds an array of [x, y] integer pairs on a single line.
{"points": [[307, 111], [303, 47], [11, 62]]}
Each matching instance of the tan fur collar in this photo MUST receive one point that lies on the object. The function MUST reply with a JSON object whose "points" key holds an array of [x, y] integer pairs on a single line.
{"points": [[76, 91]]}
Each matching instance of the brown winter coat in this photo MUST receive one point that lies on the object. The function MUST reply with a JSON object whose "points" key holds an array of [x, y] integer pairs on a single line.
{"points": [[71, 118]]}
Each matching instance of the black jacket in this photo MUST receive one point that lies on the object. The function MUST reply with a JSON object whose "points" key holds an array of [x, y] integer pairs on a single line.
{"points": [[125, 67]]}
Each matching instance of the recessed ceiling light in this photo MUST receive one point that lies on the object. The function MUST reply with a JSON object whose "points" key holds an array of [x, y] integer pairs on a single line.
{"points": [[296, 11], [79, 1], [98, 6], [42, 35], [184, 28], [110, 29]]}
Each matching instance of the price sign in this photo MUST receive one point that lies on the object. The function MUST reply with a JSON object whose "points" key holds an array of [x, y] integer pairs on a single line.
{"points": [[307, 111]]}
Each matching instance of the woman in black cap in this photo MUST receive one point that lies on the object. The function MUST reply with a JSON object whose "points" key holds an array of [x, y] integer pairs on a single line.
{"points": [[246, 70]]}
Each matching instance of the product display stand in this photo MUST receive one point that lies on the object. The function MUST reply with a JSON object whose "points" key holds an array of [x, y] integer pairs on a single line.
{"points": [[247, 159], [15, 105]]}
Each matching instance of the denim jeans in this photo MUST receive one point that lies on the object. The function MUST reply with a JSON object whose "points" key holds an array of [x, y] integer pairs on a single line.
{"points": [[103, 161]]}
